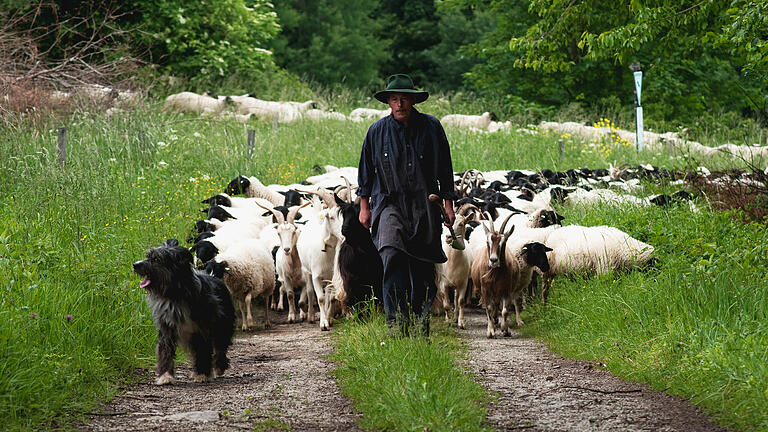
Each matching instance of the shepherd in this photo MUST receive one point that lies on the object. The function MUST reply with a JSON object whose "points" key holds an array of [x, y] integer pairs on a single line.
{"points": [[405, 158]]}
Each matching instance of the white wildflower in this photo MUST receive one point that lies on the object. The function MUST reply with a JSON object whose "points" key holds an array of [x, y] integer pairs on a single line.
{"points": [[161, 144], [197, 134]]}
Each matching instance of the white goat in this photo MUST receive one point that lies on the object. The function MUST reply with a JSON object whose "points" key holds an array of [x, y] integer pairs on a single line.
{"points": [[287, 262], [317, 248], [454, 273]]}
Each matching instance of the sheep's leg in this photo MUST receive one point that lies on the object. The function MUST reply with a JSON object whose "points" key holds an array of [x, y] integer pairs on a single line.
{"points": [[267, 324], [243, 315], [546, 281], [459, 300], [248, 298], [291, 306]]}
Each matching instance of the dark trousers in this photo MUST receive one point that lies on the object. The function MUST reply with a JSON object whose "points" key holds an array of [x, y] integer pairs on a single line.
{"points": [[408, 288]]}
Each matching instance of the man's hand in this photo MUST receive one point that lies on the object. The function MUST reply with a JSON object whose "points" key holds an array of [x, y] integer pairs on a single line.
{"points": [[365, 213], [449, 213]]}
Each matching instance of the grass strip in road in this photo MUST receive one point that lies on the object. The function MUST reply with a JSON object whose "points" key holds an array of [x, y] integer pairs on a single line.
{"points": [[407, 384]]}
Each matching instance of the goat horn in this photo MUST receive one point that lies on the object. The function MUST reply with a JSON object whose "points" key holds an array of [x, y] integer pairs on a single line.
{"points": [[325, 195], [295, 210], [504, 225], [349, 190], [466, 207], [489, 219], [479, 179], [464, 183], [278, 215]]}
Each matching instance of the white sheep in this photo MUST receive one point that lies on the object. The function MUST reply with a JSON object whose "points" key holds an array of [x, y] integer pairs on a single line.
{"points": [[362, 114], [599, 249], [317, 114], [194, 103], [469, 121], [248, 271], [252, 187]]}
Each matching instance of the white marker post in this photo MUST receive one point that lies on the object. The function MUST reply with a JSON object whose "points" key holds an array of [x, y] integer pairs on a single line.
{"points": [[638, 74]]}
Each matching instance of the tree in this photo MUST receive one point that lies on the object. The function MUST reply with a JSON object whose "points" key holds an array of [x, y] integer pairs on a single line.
{"points": [[331, 42]]}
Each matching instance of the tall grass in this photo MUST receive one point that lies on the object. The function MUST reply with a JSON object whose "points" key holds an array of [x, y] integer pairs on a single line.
{"points": [[75, 323], [404, 383]]}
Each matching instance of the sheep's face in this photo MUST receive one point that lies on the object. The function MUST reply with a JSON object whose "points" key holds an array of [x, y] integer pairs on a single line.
{"points": [[289, 235], [535, 254]]}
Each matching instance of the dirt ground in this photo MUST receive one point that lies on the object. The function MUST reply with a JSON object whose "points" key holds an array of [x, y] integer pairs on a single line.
{"points": [[537, 391], [280, 380]]}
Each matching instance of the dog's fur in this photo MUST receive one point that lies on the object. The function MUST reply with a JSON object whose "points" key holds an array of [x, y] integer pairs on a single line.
{"points": [[189, 308]]}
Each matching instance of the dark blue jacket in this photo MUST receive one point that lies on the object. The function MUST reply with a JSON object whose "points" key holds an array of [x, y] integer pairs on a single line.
{"points": [[399, 167]]}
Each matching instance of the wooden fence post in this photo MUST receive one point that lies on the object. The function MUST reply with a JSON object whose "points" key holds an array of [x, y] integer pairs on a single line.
{"points": [[251, 140], [62, 146], [560, 148]]}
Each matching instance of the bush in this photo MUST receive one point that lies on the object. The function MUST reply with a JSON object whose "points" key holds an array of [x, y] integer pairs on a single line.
{"points": [[209, 41]]}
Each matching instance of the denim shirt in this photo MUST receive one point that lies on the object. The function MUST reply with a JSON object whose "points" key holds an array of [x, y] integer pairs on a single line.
{"points": [[399, 167]]}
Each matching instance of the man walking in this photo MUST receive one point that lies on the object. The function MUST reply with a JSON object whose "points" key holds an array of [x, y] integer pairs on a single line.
{"points": [[406, 157]]}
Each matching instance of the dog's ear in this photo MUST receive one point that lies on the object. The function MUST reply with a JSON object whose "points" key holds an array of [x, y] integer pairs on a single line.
{"points": [[171, 242]]}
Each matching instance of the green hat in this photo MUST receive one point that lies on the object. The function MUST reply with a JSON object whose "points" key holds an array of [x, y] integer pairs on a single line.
{"points": [[401, 83]]}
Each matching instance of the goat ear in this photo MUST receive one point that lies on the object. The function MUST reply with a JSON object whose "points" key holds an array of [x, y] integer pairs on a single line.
{"points": [[547, 249]]}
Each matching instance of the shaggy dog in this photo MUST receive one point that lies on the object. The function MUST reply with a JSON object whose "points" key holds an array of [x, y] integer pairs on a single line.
{"points": [[189, 308]]}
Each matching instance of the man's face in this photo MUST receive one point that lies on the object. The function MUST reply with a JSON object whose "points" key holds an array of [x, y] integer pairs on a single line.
{"points": [[402, 105]]}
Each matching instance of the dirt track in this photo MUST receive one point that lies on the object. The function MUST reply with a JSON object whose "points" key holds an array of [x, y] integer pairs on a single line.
{"points": [[279, 380]]}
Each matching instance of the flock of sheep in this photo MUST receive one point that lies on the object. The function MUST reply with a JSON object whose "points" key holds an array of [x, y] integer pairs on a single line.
{"points": [[247, 106], [506, 233]]}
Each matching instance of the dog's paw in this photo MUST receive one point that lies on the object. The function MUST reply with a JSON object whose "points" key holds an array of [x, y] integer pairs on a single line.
{"points": [[200, 378], [165, 379]]}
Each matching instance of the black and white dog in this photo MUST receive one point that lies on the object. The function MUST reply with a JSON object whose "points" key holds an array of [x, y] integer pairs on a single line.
{"points": [[189, 308]]}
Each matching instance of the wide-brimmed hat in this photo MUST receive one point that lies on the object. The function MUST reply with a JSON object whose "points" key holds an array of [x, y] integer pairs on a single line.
{"points": [[401, 83]]}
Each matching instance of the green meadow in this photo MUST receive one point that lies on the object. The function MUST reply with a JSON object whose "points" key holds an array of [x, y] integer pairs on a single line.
{"points": [[74, 323]]}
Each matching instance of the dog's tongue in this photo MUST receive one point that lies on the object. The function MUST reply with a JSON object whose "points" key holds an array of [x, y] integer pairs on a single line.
{"points": [[145, 283]]}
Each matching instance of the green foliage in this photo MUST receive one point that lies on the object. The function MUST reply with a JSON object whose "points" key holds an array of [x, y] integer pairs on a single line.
{"points": [[330, 42], [558, 52], [209, 40]]}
